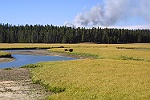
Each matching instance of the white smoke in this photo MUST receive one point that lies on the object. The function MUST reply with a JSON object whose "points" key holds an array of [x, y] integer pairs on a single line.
{"points": [[68, 24], [112, 12], [144, 9]]}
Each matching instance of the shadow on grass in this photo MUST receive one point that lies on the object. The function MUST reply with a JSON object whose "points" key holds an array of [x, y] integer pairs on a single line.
{"points": [[49, 88], [130, 58]]}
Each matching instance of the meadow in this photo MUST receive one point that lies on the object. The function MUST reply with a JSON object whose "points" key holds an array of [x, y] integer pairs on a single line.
{"points": [[110, 72]]}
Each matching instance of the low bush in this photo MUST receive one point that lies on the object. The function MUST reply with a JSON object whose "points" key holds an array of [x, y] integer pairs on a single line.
{"points": [[130, 58], [53, 89], [49, 88], [31, 66], [6, 55], [86, 55], [139, 48], [7, 68], [37, 81]]}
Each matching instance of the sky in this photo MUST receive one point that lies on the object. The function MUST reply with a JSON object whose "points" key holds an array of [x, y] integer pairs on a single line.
{"points": [[84, 13]]}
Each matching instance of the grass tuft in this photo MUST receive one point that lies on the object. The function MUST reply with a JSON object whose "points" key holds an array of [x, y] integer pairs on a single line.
{"points": [[32, 66], [130, 58], [49, 88], [5, 54], [7, 68], [85, 54]]}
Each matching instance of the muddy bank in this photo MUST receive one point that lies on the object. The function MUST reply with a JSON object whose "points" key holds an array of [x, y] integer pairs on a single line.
{"points": [[45, 52], [16, 84], [2, 59], [35, 52]]}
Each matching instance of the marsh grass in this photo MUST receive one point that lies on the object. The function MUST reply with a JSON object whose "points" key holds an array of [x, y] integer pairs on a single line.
{"points": [[7, 46], [122, 74], [31, 66], [49, 88], [73, 52], [130, 58], [98, 79], [5, 54], [7, 68], [138, 48], [109, 51], [84, 54]]}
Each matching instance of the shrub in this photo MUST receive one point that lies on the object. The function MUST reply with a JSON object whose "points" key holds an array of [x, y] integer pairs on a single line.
{"points": [[55, 89], [8, 55], [49, 88], [32, 66], [130, 58], [37, 81], [7, 68]]}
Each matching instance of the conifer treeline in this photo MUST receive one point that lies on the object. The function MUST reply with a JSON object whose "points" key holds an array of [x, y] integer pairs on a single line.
{"points": [[63, 34]]}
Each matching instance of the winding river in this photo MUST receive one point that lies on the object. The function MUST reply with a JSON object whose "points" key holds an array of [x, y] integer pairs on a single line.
{"points": [[24, 59]]}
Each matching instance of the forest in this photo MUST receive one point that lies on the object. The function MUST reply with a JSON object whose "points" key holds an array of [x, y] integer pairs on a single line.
{"points": [[63, 34]]}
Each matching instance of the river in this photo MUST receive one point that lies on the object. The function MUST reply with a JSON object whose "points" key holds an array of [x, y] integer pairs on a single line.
{"points": [[24, 59]]}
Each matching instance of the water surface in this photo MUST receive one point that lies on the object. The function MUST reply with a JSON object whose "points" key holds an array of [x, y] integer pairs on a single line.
{"points": [[21, 60]]}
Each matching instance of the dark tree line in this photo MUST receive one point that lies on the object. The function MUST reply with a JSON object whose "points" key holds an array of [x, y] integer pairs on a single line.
{"points": [[62, 34]]}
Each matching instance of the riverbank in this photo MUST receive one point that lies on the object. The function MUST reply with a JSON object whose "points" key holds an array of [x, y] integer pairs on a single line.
{"points": [[16, 84], [6, 59], [38, 52], [46, 52]]}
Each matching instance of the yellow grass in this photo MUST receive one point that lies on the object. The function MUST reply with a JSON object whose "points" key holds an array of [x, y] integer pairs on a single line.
{"points": [[2, 53], [121, 74], [97, 79], [22, 45], [109, 51]]}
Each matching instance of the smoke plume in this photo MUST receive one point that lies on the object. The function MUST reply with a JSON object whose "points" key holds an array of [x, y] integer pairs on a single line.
{"points": [[113, 11]]}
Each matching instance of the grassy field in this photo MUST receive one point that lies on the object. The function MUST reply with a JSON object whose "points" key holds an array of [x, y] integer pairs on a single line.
{"points": [[117, 71], [98, 79]]}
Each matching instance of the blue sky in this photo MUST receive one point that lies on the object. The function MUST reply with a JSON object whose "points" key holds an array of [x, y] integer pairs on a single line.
{"points": [[55, 12]]}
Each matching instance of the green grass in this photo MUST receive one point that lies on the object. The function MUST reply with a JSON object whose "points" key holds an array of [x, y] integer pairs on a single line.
{"points": [[130, 58], [7, 68], [49, 88], [84, 54], [31, 66]]}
